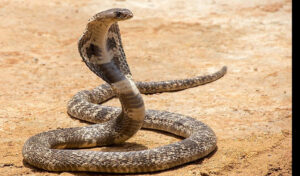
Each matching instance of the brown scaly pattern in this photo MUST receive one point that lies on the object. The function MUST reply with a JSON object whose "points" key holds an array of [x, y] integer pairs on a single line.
{"points": [[101, 49]]}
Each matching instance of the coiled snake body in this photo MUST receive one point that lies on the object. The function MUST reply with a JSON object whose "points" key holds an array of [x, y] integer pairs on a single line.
{"points": [[101, 49]]}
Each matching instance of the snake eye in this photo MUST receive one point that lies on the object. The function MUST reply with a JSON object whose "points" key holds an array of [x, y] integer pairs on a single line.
{"points": [[118, 14]]}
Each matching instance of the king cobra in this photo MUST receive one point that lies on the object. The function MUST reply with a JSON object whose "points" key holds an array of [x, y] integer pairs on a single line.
{"points": [[101, 49]]}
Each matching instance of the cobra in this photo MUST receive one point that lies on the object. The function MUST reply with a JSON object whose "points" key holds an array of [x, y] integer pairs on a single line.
{"points": [[101, 49]]}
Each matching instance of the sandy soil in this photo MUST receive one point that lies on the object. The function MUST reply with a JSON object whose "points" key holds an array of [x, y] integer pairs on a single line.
{"points": [[249, 108]]}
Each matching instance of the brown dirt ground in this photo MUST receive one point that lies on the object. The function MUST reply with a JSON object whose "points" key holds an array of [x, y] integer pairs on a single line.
{"points": [[249, 108]]}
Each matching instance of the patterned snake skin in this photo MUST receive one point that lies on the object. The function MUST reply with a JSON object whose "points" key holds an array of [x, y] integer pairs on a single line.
{"points": [[101, 49]]}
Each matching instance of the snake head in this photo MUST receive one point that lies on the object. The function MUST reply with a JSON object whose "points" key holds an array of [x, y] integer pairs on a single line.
{"points": [[116, 14], [100, 46], [122, 14]]}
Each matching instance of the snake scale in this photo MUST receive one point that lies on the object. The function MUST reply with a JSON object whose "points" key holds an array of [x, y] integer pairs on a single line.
{"points": [[101, 49]]}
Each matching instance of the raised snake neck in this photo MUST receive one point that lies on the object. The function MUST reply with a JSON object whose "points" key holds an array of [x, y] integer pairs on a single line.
{"points": [[101, 49]]}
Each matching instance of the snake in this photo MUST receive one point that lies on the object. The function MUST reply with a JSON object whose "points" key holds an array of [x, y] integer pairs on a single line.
{"points": [[101, 49]]}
